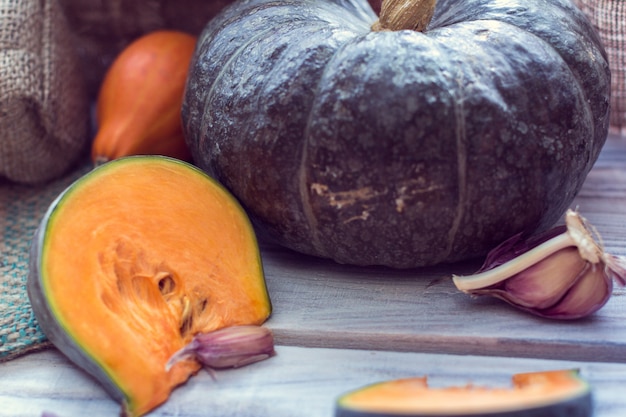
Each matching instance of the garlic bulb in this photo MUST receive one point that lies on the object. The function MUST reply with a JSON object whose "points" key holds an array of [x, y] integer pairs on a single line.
{"points": [[562, 274]]}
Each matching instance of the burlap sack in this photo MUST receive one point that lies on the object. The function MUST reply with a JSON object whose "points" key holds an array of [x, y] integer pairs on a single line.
{"points": [[43, 108], [101, 29], [609, 18]]}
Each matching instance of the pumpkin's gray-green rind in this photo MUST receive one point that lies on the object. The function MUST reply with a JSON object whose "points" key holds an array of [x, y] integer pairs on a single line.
{"points": [[48, 322], [399, 148], [580, 406]]}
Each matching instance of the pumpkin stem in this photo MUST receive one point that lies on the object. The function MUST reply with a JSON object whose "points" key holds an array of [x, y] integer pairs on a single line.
{"points": [[405, 14]]}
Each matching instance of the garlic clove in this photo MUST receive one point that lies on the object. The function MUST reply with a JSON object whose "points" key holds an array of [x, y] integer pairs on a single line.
{"points": [[589, 294], [563, 273], [230, 347], [543, 284]]}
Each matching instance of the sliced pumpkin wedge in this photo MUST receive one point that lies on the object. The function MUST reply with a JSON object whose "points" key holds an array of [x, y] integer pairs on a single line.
{"points": [[134, 259], [547, 393]]}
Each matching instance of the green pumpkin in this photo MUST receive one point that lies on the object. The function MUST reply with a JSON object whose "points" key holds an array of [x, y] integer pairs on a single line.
{"points": [[398, 147]]}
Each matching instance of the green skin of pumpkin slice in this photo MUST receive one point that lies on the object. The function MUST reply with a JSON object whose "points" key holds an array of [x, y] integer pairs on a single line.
{"points": [[59, 329], [575, 401], [54, 329]]}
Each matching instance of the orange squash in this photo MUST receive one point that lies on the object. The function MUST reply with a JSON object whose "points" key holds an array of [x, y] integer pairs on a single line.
{"points": [[139, 103], [557, 393], [132, 262]]}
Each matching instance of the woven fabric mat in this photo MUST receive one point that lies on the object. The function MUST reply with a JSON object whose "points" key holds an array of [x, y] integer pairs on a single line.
{"points": [[21, 210]]}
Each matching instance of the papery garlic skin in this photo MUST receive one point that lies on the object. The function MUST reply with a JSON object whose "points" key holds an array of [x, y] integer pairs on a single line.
{"points": [[564, 274]]}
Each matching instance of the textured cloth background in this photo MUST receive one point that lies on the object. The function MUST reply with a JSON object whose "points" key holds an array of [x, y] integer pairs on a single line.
{"points": [[101, 29], [21, 209], [609, 18], [44, 115]]}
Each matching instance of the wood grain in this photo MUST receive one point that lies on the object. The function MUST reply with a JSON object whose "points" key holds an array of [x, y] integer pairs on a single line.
{"points": [[300, 382], [420, 312]]}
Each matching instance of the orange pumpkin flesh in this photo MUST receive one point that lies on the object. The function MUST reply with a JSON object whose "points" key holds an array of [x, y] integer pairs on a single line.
{"points": [[413, 397], [139, 103], [136, 258]]}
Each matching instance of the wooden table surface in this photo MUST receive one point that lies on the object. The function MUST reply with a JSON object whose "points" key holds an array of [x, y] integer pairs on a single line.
{"points": [[339, 327]]}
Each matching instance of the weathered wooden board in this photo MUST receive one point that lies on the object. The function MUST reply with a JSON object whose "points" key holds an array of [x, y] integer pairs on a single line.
{"points": [[378, 309], [300, 382]]}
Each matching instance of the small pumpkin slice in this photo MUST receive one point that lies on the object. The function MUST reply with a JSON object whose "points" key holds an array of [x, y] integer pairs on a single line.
{"points": [[548, 393], [134, 259]]}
